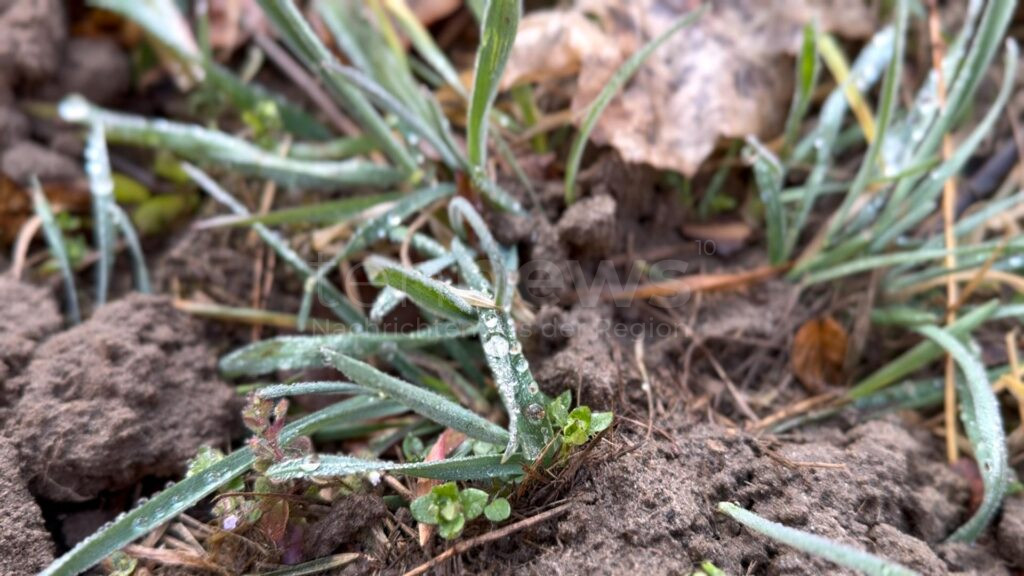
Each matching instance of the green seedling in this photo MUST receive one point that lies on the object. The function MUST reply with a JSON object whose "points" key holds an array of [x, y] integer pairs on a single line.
{"points": [[449, 508]]}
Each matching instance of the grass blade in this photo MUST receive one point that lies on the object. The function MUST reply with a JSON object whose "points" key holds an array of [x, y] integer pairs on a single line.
{"points": [[415, 122], [304, 42], [431, 295], [423, 402], [617, 81], [121, 220], [984, 426], [807, 69], [333, 212], [424, 43], [841, 554], [203, 145], [101, 188], [55, 240], [769, 174], [389, 297], [374, 229], [178, 498], [299, 352], [332, 297], [523, 400], [463, 469], [921, 354], [304, 388], [461, 212], [498, 33]]}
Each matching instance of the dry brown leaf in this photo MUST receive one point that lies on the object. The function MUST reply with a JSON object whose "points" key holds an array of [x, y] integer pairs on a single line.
{"points": [[730, 74], [819, 349]]}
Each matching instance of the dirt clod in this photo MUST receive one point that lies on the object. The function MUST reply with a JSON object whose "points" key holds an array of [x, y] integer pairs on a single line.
{"points": [[1010, 531], [96, 68], [130, 393], [589, 225], [25, 545], [31, 37], [350, 516], [24, 159], [585, 362], [29, 315]]}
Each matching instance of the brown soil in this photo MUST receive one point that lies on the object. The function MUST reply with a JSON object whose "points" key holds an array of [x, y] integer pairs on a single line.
{"points": [[25, 545], [29, 316], [130, 393]]}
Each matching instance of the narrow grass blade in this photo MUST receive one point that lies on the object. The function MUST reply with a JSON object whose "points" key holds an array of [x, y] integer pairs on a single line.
{"points": [[769, 173], [333, 298], [466, 468], [921, 354], [337, 149], [424, 43], [55, 240], [984, 426], [334, 212], [611, 89], [121, 221], [841, 554], [807, 70], [886, 112], [285, 16], [309, 388], [179, 497], [415, 122], [432, 295], [150, 15], [318, 566], [298, 352], [101, 188], [375, 229], [461, 212], [498, 33], [423, 402], [204, 145], [389, 298]]}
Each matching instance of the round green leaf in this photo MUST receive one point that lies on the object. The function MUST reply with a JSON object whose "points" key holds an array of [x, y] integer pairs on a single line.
{"points": [[599, 421], [451, 530], [473, 502], [498, 510], [424, 510]]}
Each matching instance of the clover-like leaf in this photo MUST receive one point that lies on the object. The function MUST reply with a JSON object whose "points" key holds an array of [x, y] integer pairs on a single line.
{"points": [[498, 510], [473, 502], [599, 422], [577, 429]]}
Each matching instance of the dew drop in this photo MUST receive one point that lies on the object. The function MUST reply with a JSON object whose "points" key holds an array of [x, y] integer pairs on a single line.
{"points": [[496, 346], [491, 321], [535, 412], [394, 220], [522, 365], [516, 348], [74, 108]]}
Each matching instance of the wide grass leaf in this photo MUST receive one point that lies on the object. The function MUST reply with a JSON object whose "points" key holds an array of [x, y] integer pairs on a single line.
{"points": [[432, 295], [298, 352], [423, 402], [201, 144], [498, 33], [452, 469]]}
